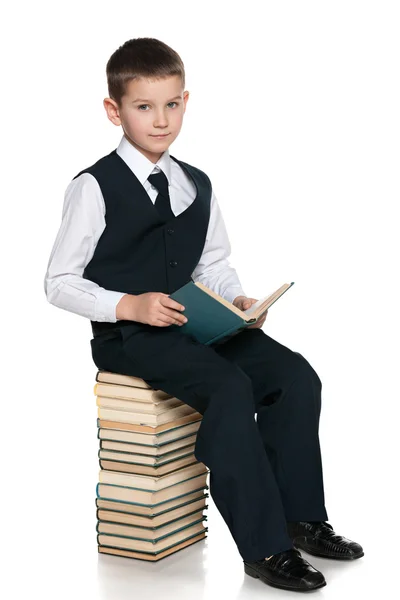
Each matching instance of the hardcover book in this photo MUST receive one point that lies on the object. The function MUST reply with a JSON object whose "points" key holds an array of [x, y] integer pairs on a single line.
{"points": [[211, 318]]}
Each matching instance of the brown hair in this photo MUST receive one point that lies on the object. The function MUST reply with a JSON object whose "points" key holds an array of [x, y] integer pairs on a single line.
{"points": [[141, 57]]}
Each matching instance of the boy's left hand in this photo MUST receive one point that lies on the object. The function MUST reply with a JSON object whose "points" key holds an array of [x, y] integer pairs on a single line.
{"points": [[243, 303]]}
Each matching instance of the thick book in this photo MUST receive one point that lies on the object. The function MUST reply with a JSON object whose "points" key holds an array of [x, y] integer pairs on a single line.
{"points": [[115, 516], [103, 376], [141, 407], [136, 469], [122, 493], [144, 459], [146, 419], [126, 392], [151, 533], [213, 319], [154, 510], [156, 440], [152, 556], [151, 483], [155, 452], [168, 541], [124, 426]]}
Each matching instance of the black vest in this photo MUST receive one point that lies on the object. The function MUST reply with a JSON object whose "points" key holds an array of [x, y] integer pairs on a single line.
{"points": [[138, 251]]}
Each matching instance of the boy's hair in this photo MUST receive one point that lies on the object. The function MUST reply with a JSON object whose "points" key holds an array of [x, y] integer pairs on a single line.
{"points": [[141, 57]]}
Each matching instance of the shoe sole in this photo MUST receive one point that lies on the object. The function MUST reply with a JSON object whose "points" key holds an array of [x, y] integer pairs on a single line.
{"points": [[253, 573], [322, 555]]}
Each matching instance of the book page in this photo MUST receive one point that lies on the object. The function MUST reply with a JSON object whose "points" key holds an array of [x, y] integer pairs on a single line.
{"points": [[255, 306], [262, 305], [257, 309]]}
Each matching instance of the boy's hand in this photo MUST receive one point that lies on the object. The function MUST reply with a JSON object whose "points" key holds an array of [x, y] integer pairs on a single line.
{"points": [[151, 308], [243, 303]]}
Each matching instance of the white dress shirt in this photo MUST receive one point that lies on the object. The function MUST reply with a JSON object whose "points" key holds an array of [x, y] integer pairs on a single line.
{"points": [[83, 222]]}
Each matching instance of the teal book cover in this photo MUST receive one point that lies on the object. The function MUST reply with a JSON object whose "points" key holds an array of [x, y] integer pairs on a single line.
{"points": [[147, 539], [120, 509], [156, 529], [154, 465], [210, 320], [204, 530], [98, 497]]}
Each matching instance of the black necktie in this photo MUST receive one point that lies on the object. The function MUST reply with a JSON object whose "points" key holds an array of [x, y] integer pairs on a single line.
{"points": [[163, 201]]}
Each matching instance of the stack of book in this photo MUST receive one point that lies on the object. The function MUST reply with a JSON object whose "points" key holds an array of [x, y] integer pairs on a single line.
{"points": [[151, 491]]}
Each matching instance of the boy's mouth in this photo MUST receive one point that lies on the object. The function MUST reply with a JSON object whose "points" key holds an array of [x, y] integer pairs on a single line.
{"points": [[163, 135]]}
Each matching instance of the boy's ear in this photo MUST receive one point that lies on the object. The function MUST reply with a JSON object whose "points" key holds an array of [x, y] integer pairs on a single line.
{"points": [[112, 110], [185, 99]]}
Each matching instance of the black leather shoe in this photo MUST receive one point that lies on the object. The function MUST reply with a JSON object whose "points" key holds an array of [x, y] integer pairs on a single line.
{"points": [[286, 570], [319, 539]]}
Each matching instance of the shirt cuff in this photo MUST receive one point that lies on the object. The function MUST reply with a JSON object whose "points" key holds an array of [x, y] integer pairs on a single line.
{"points": [[106, 305]]}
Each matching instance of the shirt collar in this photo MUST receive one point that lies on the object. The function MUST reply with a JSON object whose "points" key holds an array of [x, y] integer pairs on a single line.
{"points": [[140, 164]]}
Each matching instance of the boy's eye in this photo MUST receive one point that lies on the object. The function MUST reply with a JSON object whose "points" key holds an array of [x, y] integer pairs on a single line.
{"points": [[141, 105]]}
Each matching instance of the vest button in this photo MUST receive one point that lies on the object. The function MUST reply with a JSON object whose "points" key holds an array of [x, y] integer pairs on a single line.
{"points": [[173, 263], [170, 231]]}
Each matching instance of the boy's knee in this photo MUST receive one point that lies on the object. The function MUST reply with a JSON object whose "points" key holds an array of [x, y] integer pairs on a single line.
{"points": [[304, 368], [233, 396], [236, 382]]}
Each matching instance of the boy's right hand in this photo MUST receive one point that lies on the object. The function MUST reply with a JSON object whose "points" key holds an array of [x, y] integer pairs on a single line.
{"points": [[151, 308]]}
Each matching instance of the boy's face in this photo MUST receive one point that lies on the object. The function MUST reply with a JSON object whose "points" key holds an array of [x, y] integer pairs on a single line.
{"points": [[150, 108]]}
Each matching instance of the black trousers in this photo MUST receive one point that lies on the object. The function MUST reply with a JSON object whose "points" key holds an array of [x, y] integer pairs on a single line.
{"points": [[264, 471]]}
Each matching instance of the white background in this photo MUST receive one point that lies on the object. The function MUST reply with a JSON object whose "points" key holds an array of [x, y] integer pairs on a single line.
{"points": [[294, 115]]}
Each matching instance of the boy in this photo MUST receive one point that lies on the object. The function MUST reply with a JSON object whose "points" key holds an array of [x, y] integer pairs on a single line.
{"points": [[139, 224]]}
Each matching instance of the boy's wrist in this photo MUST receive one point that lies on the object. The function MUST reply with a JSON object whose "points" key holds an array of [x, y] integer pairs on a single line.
{"points": [[124, 307]]}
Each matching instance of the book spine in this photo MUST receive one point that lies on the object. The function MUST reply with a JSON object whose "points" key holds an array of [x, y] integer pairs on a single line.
{"points": [[228, 333]]}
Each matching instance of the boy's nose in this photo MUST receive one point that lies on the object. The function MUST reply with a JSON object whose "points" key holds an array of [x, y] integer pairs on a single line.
{"points": [[160, 120]]}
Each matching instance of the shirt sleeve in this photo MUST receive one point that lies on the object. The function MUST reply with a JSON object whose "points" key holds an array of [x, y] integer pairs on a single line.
{"points": [[214, 269], [81, 226]]}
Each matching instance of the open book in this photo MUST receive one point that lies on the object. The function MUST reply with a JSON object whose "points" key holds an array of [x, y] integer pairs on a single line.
{"points": [[211, 318]]}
